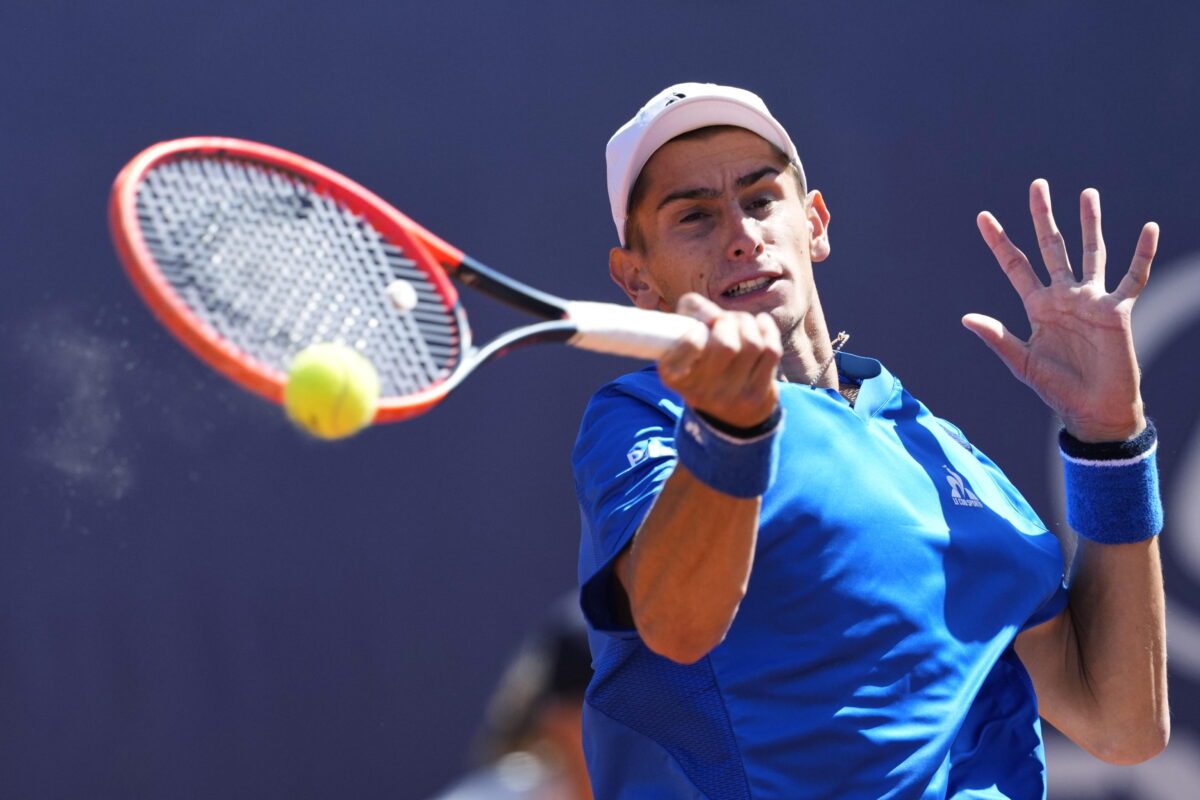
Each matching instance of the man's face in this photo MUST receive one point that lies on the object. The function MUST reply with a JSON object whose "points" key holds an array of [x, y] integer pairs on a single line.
{"points": [[722, 216]]}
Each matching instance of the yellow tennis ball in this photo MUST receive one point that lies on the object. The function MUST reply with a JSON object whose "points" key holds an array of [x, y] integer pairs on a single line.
{"points": [[332, 391]]}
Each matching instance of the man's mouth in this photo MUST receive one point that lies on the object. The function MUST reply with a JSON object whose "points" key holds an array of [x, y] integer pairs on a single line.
{"points": [[745, 287]]}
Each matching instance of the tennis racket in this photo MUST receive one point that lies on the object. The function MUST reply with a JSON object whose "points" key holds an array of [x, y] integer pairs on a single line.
{"points": [[249, 254]]}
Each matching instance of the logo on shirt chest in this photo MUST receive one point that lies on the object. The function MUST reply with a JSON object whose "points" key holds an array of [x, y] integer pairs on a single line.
{"points": [[960, 492]]}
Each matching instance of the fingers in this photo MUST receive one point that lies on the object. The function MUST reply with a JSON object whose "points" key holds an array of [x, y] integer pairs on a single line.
{"points": [[678, 362], [766, 368], [1093, 239], [1014, 263], [1053, 248], [700, 307], [1050, 239], [1139, 269], [1011, 350], [731, 373]]}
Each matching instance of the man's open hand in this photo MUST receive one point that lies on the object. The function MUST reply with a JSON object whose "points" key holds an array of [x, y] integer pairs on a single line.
{"points": [[1079, 357]]}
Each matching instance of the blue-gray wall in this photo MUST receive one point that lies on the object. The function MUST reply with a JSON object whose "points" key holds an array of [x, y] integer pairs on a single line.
{"points": [[197, 602]]}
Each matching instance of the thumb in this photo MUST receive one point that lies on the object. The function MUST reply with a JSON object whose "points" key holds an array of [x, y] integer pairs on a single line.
{"points": [[698, 306], [1002, 342]]}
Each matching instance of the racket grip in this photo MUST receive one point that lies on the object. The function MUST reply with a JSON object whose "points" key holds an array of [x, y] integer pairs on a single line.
{"points": [[627, 331]]}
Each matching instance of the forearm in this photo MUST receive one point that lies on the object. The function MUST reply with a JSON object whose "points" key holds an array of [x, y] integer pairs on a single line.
{"points": [[1117, 600], [1119, 618], [1102, 679], [688, 566], [686, 571], [1101, 676]]}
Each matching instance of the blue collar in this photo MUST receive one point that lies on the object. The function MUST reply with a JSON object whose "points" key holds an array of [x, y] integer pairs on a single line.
{"points": [[875, 384]]}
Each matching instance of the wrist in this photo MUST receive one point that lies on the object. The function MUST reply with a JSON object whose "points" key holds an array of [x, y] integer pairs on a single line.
{"points": [[1112, 487], [1092, 432], [747, 432], [736, 465]]}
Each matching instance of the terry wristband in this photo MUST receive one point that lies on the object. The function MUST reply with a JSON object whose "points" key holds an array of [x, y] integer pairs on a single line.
{"points": [[735, 465], [1112, 487]]}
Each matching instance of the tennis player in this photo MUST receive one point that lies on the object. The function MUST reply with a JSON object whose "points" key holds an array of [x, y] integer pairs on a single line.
{"points": [[799, 582]]}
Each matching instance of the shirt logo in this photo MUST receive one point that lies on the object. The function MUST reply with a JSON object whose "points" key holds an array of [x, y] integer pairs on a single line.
{"points": [[650, 448], [636, 454], [960, 493]]}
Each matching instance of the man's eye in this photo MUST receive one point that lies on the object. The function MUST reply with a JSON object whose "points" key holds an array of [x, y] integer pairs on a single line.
{"points": [[761, 203], [692, 216]]}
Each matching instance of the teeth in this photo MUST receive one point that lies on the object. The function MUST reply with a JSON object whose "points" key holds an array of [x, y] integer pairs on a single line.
{"points": [[747, 286]]}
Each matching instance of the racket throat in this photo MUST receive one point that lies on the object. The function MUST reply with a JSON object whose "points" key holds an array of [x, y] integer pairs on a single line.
{"points": [[509, 291], [539, 333]]}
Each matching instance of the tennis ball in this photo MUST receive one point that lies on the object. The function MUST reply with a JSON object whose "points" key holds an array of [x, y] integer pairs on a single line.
{"points": [[403, 295], [332, 391]]}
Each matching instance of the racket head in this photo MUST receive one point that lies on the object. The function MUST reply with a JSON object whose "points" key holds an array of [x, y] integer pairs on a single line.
{"points": [[248, 253]]}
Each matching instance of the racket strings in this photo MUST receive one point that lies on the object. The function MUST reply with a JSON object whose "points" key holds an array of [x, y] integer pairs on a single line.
{"points": [[272, 265]]}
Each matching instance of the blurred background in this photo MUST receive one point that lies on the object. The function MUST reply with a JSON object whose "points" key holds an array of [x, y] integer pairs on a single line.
{"points": [[196, 601]]}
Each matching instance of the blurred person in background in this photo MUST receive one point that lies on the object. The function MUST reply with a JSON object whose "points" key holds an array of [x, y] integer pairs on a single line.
{"points": [[530, 747]]}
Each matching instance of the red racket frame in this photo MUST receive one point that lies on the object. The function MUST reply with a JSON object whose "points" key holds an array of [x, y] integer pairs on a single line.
{"points": [[198, 336]]}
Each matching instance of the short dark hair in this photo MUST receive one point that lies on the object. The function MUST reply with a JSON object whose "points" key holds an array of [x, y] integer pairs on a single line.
{"points": [[633, 236]]}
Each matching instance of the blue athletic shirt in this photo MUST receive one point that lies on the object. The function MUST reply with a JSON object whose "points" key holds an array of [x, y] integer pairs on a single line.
{"points": [[872, 654]]}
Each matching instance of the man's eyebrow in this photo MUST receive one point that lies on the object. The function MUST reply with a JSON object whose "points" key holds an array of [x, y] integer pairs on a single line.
{"points": [[688, 194], [749, 179], [754, 177]]}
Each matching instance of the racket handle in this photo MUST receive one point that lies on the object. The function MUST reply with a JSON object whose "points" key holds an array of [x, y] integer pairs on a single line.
{"points": [[627, 331]]}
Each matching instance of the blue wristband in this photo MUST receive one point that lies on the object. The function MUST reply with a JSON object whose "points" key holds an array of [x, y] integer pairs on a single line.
{"points": [[734, 465], [1112, 488]]}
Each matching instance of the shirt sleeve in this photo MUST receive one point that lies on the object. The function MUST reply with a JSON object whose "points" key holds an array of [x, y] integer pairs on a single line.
{"points": [[624, 454]]}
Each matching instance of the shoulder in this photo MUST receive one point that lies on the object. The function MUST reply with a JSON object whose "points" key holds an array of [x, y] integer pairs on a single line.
{"points": [[626, 421], [632, 392]]}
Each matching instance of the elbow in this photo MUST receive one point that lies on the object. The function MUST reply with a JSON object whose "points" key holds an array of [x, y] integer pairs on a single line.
{"points": [[684, 634], [1135, 746], [681, 647]]}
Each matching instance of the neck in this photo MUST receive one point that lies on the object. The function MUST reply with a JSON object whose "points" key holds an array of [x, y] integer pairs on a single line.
{"points": [[808, 351]]}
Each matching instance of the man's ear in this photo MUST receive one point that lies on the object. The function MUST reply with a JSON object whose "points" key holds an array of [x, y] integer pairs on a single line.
{"points": [[818, 227], [625, 267]]}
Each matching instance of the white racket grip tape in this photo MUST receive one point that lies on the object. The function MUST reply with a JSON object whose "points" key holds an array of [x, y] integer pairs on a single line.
{"points": [[627, 331]]}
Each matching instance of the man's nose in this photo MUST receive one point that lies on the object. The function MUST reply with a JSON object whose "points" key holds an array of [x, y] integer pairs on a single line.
{"points": [[745, 237]]}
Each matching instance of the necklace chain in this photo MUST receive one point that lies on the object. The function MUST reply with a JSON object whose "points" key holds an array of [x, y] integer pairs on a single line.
{"points": [[838, 343]]}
